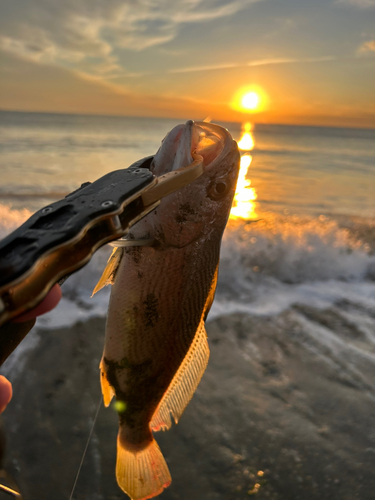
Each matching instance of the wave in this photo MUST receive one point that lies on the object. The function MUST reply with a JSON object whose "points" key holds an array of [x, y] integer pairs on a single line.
{"points": [[289, 248], [10, 219], [266, 267], [296, 249]]}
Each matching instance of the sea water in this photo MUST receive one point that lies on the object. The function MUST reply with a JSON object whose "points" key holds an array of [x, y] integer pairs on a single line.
{"points": [[306, 243]]}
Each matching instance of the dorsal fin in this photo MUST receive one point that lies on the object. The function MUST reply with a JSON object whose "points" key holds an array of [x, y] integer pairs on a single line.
{"points": [[184, 383], [109, 271]]}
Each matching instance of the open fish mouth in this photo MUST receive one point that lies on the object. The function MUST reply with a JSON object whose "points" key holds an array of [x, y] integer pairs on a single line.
{"points": [[208, 140]]}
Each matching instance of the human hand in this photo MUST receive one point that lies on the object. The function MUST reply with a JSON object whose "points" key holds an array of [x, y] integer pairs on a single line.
{"points": [[5, 392], [19, 327]]}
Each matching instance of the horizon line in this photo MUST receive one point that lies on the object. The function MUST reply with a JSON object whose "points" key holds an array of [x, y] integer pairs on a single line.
{"points": [[63, 113]]}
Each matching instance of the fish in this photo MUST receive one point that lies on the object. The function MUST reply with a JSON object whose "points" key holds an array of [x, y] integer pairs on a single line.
{"points": [[156, 347]]}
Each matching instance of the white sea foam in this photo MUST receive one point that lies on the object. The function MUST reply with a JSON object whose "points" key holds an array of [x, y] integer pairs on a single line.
{"points": [[10, 219], [272, 298], [295, 250], [270, 265], [265, 268]]}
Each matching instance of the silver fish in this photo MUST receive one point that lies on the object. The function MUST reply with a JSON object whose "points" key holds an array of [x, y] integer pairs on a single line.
{"points": [[156, 348]]}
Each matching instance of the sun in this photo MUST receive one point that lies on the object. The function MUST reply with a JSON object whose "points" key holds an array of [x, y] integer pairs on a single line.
{"points": [[250, 100]]}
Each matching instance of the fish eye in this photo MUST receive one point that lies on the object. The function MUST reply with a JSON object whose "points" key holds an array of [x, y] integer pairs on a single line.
{"points": [[220, 187], [218, 190]]}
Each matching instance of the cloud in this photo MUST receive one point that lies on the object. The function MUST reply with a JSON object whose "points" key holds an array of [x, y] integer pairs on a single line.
{"points": [[53, 89], [368, 46], [286, 60], [72, 34], [39, 50], [208, 67], [361, 4], [257, 62]]}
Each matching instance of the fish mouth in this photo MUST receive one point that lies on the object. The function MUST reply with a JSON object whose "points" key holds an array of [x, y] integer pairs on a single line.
{"points": [[208, 140]]}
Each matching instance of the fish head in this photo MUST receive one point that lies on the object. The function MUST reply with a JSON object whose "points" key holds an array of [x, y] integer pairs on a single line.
{"points": [[201, 208]]}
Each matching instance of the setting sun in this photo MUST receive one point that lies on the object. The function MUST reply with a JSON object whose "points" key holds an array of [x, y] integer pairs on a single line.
{"points": [[250, 100]]}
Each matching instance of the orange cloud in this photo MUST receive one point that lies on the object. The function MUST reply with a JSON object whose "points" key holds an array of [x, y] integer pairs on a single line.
{"points": [[368, 46]]}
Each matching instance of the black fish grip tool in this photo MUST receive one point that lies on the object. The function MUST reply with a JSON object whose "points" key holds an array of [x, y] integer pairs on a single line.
{"points": [[61, 238]]}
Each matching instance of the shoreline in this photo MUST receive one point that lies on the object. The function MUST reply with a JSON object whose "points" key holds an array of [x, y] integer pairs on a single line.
{"points": [[267, 402]]}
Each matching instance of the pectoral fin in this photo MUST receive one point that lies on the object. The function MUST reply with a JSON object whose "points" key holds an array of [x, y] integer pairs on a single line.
{"points": [[109, 272], [184, 383]]}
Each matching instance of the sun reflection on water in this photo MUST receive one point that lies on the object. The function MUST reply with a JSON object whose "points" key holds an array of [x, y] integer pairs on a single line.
{"points": [[244, 199], [246, 143]]}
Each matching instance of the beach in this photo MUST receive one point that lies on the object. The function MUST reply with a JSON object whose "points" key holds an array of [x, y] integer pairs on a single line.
{"points": [[274, 416], [286, 407]]}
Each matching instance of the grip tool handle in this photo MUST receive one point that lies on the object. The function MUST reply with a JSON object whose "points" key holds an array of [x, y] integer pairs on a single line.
{"points": [[61, 238]]}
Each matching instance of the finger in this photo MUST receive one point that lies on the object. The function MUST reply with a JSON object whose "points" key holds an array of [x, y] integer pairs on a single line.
{"points": [[48, 303], [11, 334], [5, 393]]}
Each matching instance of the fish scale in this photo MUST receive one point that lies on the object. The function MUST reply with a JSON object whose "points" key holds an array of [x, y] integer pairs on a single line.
{"points": [[156, 346]]}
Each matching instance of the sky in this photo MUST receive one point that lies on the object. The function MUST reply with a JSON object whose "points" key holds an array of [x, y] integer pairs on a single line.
{"points": [[311, 61]]}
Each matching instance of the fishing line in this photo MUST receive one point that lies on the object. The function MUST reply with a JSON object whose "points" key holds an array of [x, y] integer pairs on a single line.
{"points": [[87, 445]]}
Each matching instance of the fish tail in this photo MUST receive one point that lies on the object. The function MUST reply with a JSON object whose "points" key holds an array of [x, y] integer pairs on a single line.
{"points": [[143, 473]]}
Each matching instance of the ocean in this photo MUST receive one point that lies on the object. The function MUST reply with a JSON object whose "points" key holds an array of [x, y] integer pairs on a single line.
{"points": [[307, 233], [308, 230], [298, 254]]}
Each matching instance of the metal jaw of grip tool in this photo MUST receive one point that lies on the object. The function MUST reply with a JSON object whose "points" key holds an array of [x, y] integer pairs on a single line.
{"points": [[62, 237]]}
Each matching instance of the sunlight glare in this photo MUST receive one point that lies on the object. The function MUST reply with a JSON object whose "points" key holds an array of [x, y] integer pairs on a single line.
{"points": [[243, 203], [246, 143], [250, 100]]}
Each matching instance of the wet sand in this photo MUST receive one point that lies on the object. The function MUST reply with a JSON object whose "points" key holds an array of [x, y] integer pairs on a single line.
{"points": [[275, 416]]}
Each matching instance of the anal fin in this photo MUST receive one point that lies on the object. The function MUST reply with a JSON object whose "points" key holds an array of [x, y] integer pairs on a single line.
{"points": [[107, 390], [184, 383], [109, 271], [141, 474]]}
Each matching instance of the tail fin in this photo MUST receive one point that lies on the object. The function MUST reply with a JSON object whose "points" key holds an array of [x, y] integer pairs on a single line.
{"points": [[142, 474]]}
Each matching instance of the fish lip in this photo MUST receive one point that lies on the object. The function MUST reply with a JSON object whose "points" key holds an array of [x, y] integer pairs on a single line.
{"points": [[225, 137], [184, 140]]}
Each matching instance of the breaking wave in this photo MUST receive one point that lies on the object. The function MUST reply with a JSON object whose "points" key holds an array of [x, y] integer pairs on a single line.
{"points": [[10, 219], [276, 263], [295, 249], [266, 267]]}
